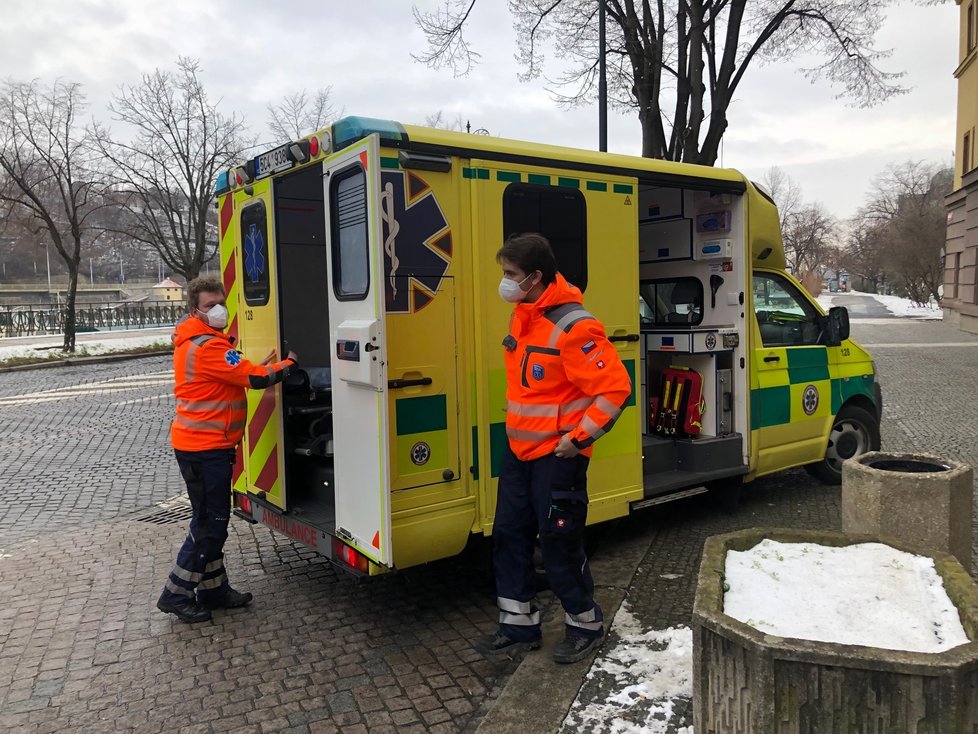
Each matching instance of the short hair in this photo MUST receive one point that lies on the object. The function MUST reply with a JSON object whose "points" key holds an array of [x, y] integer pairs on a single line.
{"points": [[530, 251], [203, 284]]}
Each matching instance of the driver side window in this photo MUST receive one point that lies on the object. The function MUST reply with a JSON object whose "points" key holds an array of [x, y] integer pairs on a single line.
{"points": [[784, 316]]}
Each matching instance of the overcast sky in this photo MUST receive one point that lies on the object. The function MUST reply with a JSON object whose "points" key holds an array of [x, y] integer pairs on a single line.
{"points": [[254, 53]]}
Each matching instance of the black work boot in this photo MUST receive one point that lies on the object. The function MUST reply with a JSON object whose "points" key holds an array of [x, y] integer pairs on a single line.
{"points": [[230, 600], [576, 646], [499, 644], [189, 611]]}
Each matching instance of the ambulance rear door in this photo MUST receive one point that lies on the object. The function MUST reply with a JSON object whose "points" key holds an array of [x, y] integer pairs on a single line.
{"points": [[351, 181], [257, 328]]}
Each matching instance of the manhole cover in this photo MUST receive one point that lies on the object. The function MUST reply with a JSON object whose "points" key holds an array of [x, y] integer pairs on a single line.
{"points": [[168, 512]]}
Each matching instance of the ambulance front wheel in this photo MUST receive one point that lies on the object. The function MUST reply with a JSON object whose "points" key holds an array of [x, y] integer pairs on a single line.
{"points": [[855, 432]]}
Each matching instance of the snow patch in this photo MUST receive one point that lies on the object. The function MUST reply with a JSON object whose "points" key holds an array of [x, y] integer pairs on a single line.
{"points": [[647, 677], [91, 348], [866, 594]]}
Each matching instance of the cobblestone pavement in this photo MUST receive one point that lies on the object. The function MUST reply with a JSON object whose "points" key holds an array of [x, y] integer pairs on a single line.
{"points": [[82, 647]]}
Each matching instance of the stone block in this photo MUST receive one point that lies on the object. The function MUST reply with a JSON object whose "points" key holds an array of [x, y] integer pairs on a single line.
{"points": [[749, 682], [916, 498]]}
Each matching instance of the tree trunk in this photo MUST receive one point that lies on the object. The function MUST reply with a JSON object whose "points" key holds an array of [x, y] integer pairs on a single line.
{"points": [[70, 318]]}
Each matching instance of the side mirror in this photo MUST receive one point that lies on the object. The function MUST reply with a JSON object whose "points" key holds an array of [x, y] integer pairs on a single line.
{"points": [[837, 325]]}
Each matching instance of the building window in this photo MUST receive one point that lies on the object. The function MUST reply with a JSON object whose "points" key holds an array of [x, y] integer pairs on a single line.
{"points": [[971, 27], [560, 215], [966, 154]]}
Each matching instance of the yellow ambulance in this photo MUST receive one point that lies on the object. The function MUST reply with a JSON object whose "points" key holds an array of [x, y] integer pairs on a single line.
{"points": [[369, 249]]}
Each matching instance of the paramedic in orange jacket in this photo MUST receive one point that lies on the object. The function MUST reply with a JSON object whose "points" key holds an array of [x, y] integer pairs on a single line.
{"points": [[211, 378], [565, 387]]}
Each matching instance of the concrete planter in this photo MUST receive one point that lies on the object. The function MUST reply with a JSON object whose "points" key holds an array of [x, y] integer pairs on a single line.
{"points": [[917, 498], [749, 682]]}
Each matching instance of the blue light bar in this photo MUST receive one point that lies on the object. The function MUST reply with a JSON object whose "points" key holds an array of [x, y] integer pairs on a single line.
{"points": [[222, 183], [349, 130]]}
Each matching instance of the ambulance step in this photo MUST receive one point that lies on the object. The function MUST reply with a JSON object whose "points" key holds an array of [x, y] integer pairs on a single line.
{"points": [[663, 498], [703, 454], [676, 483]]}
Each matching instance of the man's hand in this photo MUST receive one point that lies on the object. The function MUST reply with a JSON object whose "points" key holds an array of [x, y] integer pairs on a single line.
{"points": [[272, 357], [293, 356], [566, 448]]}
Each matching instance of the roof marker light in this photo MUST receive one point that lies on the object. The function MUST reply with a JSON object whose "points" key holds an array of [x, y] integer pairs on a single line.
{"points": [[313, 146]]}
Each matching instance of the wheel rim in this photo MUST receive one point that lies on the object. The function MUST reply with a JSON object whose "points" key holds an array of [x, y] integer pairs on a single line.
{"points": [[848, 438]]}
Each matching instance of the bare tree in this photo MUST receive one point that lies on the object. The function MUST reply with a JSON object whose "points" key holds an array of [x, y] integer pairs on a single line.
{"points": [[439, 120], [906, 220], [809, 235], [784, 190], [50, 175], [167, 170], [298, 114], [678, 64]]}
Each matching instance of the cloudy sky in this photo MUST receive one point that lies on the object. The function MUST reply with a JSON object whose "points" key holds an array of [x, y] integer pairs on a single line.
{"points": [[254, 53]]}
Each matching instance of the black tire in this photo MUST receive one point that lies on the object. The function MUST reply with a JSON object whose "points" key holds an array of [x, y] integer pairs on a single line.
{"points": [[854, 432]]}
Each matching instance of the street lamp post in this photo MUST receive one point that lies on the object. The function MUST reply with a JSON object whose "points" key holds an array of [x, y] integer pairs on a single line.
{"points": [[602, 84], [47, 256]]}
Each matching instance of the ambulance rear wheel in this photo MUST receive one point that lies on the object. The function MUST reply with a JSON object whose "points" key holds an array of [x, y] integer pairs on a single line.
{"points": [[855, 432]]}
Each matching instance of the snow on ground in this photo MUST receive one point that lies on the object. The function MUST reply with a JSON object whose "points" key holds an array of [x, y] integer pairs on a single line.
{"points": [[645, 678], [10, 348], [894, 304], [865, 594]]}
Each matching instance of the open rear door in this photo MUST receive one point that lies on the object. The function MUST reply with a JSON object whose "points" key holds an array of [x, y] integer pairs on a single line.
{"points": [[351, 182]]}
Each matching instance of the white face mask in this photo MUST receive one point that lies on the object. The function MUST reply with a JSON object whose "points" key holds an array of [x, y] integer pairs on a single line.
{"points": [[216, 317], [510, 290]]}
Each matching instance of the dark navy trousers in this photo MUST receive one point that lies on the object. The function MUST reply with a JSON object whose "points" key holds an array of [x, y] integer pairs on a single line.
{"points": [[545, 498], [200, 563]]}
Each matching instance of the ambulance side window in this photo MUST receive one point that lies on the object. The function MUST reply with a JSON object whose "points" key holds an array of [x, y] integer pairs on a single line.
{"points": [[559, 214], [254, 247], [351, 254], [785, 317]]}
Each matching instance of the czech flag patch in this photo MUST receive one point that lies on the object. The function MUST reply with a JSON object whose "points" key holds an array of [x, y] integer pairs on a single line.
{"points": [[589, 347]]}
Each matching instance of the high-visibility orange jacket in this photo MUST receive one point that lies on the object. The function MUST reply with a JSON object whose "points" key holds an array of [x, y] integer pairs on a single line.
{"points": [[563, 376], [211, 377]]}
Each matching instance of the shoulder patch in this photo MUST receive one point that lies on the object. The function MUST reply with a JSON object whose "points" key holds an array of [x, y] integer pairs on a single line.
{"points": [[588, 347], [232, 357]]}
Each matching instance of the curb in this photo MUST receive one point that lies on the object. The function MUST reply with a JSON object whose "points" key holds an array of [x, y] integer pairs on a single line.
{"points": [[81, 361]]}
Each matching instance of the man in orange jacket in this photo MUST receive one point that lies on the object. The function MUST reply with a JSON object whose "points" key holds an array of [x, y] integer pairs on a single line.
{"points": [[565, 388], [211, 378]]}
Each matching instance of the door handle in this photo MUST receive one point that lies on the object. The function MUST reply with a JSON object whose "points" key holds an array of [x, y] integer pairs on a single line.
{"points": [[772, 358], [623, 338], [395, 384], [370, 347]]}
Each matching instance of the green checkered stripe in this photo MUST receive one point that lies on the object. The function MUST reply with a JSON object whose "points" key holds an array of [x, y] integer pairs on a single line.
{"points": [[771, 406], [485, 174]]}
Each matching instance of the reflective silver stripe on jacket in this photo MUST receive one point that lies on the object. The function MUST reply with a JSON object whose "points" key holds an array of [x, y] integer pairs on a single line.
{"points": [[532, 410], [195, 343], [205, 406], [200, 425], [566, 316], [575, 405]]}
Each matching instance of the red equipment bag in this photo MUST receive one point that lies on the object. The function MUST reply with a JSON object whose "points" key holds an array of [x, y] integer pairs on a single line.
{"points": [[678, 408]]}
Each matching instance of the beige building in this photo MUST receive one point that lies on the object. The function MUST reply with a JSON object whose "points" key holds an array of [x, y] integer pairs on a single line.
{"points": [[960, 300], [169, 290]]}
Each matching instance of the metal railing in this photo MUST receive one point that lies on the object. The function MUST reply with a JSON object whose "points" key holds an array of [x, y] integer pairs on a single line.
{"points": [[29, 320]]}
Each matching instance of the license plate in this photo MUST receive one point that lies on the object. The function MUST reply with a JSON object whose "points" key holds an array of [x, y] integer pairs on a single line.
{"points": [[305, 534], [272, 162]]}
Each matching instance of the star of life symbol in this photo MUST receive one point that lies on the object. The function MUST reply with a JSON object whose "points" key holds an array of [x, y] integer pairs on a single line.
{"points": [[809, 400], [254, 247], [232, 357], [420, 453]]}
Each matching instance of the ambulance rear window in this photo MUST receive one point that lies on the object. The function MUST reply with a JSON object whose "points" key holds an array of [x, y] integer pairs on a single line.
{"points": [[254, 260], [560, 215], [351, 254]]}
